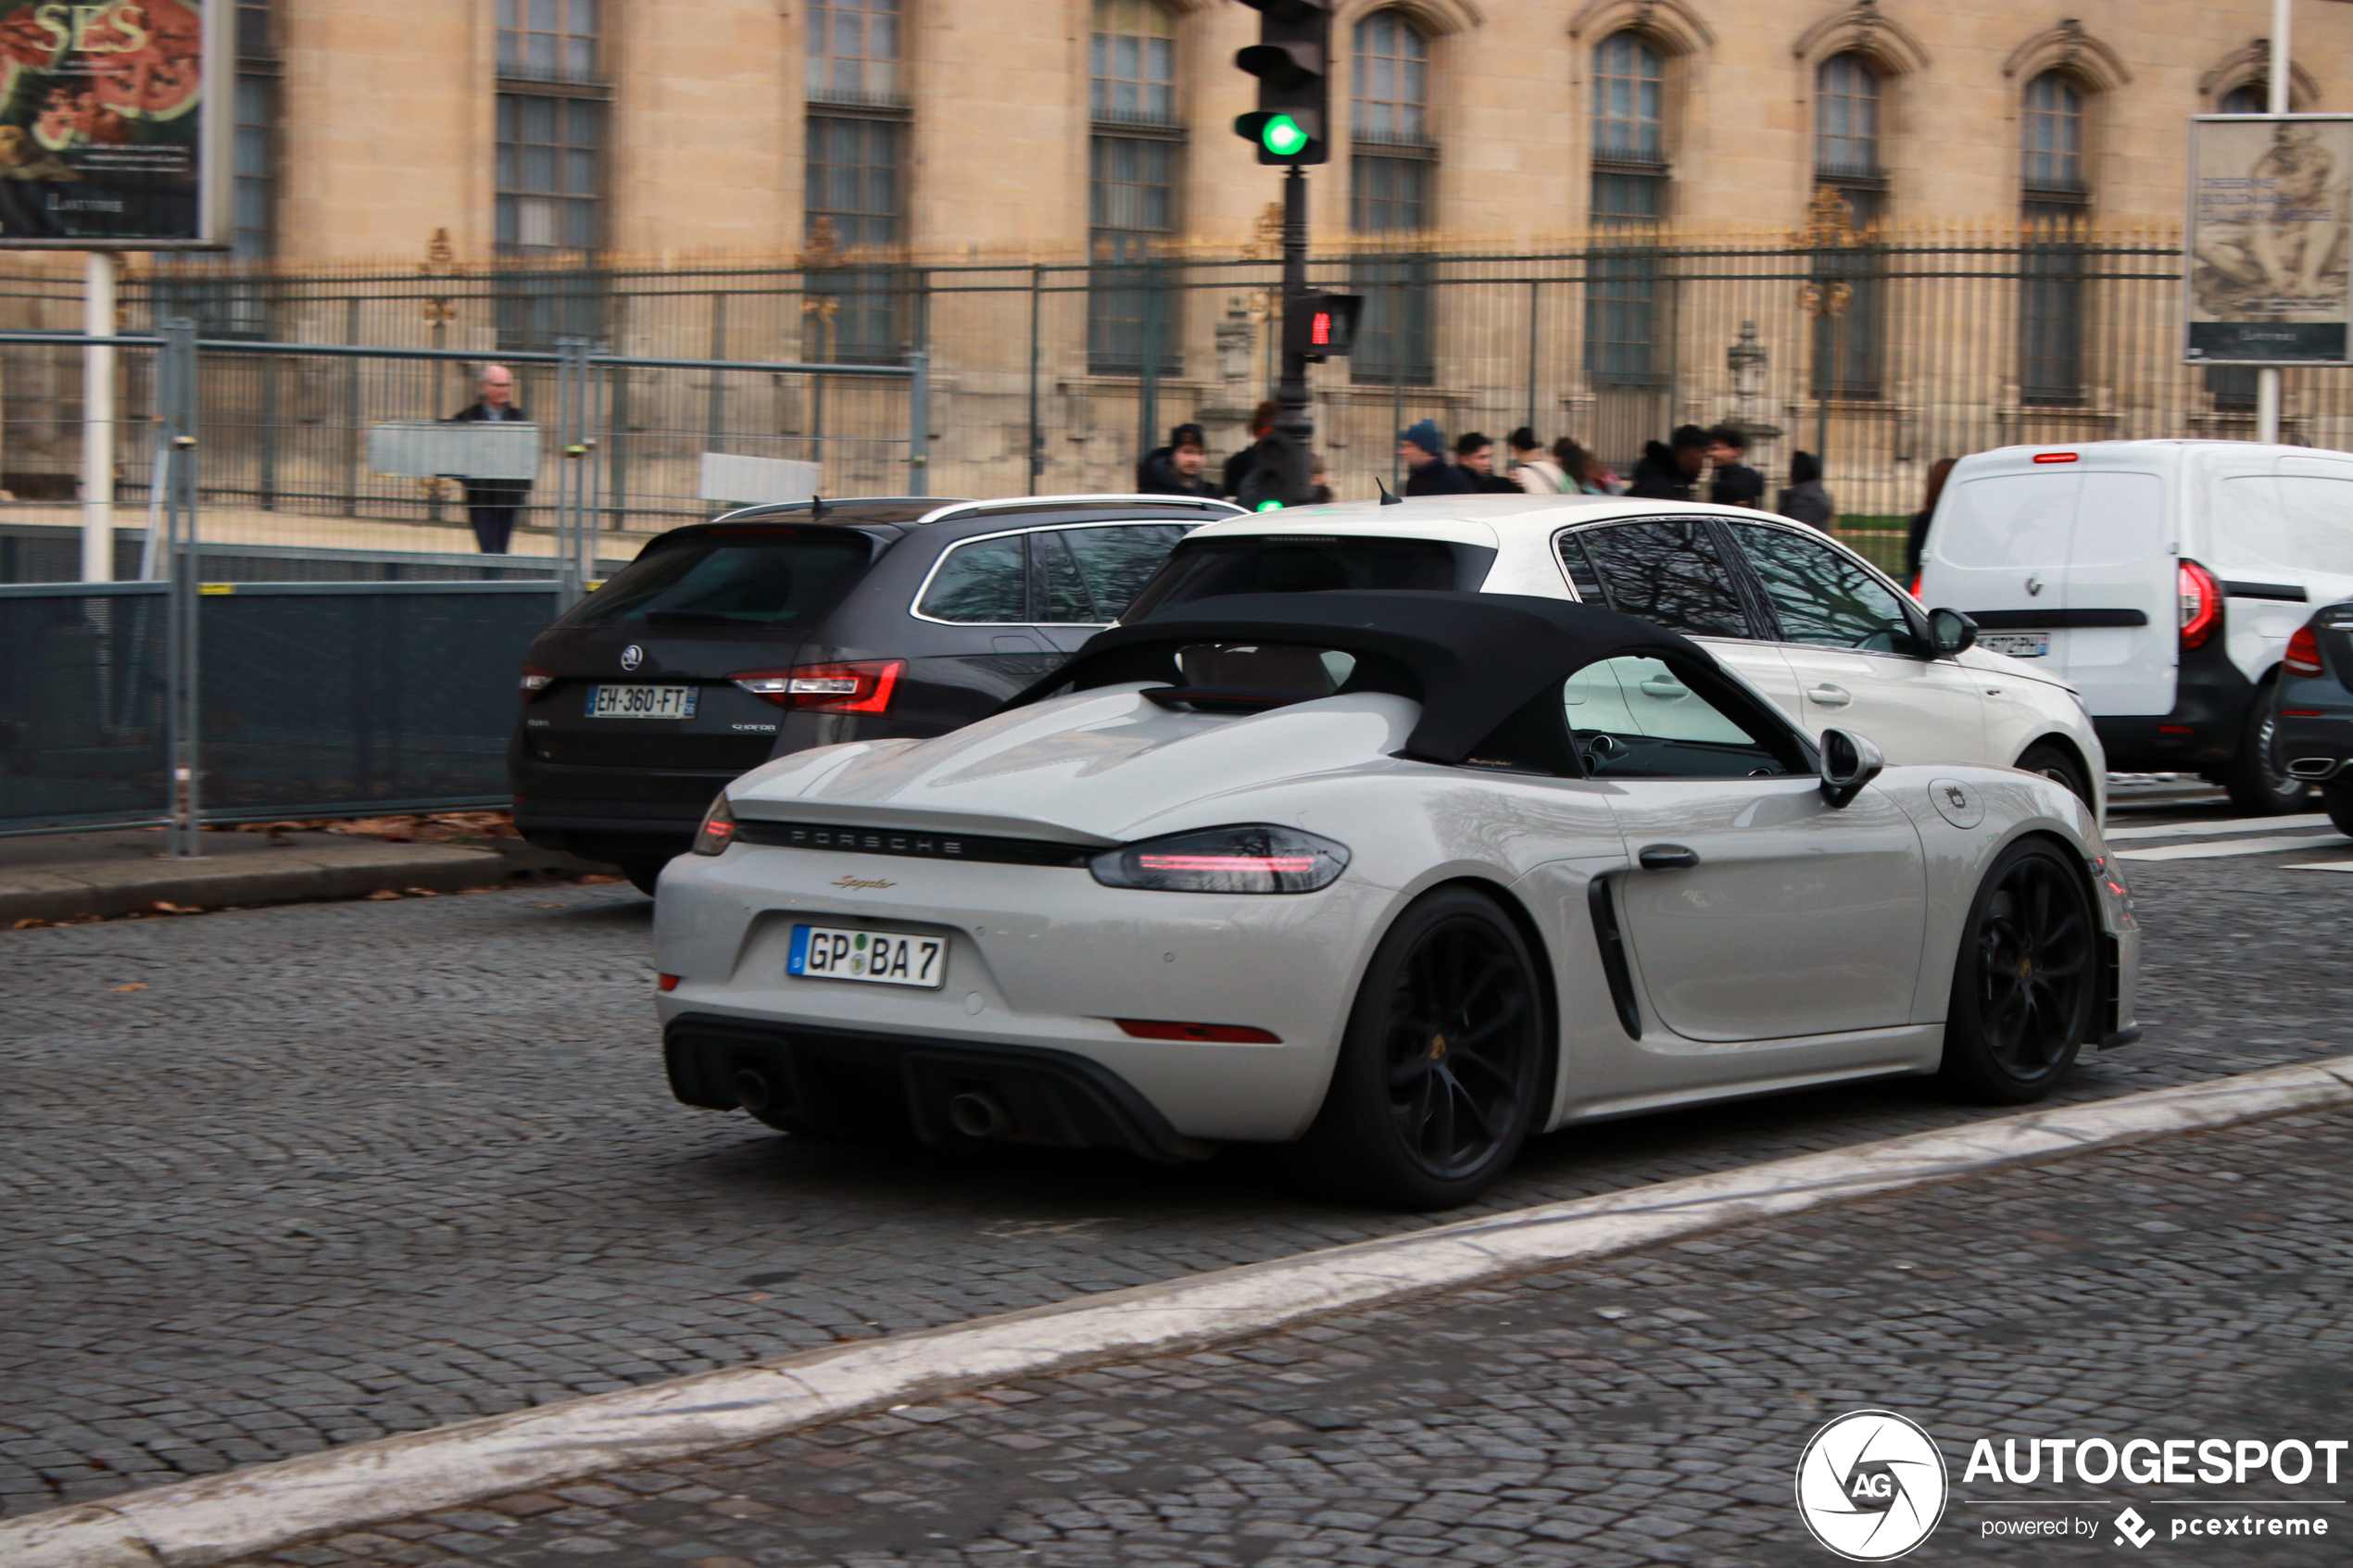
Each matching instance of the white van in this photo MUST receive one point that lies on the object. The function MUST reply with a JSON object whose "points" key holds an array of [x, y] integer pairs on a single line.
{"points": [[2161, 579]]}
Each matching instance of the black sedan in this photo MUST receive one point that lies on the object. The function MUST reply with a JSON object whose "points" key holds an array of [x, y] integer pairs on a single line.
{"points": [[2313, 709], [777, 627]]}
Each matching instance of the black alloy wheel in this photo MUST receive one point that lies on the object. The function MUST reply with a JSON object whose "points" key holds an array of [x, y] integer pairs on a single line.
{"points": [[2027, 979], [2060, 769], [2258, 779], [1439, 1076]]}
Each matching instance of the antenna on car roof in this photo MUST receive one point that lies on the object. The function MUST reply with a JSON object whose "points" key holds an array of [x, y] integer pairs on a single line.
{"points": [[816, 507], [1386, 498]]}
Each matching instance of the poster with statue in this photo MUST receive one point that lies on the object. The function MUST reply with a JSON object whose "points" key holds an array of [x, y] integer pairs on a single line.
{"points": [[108, 134], [2269, 252]]}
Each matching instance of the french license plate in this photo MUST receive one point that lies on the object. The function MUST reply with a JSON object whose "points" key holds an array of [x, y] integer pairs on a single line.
{"points": [[641, 702], [879, 958], [2017, 645]]}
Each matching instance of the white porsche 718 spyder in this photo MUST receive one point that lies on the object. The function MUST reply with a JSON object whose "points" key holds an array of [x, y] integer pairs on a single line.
{"points": [[1397, 877]]}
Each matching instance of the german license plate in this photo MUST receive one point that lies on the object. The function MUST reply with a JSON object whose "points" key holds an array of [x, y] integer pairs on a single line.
{"points": [[641, 702], [878, 957], [2017, 645]]}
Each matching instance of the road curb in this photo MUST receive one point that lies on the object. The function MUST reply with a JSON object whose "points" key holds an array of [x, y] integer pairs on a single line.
{"points": [[218, 1519], [275, 876]]}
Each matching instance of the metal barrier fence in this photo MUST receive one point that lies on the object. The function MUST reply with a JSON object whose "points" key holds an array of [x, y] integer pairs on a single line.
{"points": [[1880, 349], [281, 699]]}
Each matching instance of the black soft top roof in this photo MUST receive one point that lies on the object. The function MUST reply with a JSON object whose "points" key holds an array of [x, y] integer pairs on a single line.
{"points": [[1471, 660]]}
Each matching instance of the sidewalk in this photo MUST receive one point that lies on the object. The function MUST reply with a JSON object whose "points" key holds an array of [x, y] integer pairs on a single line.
{"points": [[124, 871], [1647, 1408]]}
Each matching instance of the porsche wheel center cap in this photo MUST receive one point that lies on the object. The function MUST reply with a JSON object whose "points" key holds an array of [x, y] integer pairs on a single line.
{"points": [[1437, 1047]]}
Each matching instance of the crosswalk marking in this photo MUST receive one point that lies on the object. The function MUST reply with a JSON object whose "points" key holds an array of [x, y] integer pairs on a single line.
{"points": [[2214, 830], [2236, 846]]}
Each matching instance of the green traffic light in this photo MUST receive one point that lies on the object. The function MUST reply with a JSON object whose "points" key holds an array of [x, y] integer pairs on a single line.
{"points": [[1282, 136], [1270, 505]]}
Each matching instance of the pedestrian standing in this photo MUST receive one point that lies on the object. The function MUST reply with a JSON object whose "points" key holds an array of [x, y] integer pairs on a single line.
{"points": [[1262, 422], [1805, 499], [1915, 540], [491, 504], [1735, 483], [1669, 472], [1176, 469], [1474, 455], [1583, 471], [1532, 470], [1423, 445]]}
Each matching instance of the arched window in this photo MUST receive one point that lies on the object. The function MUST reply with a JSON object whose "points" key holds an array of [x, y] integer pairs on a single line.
{"points": [[1630, 83], [1133, 163], [2055, 199], [1393, 177], [1391, 82], [2054, 134], [1135, 63], [1628, 191], [1846, 119]]}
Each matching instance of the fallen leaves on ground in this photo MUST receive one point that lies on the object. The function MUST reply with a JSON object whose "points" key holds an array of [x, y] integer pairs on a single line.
{"points": [[135, 986]]}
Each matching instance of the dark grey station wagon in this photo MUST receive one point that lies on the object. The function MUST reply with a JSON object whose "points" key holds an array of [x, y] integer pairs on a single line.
{"points": [[777, 627]]}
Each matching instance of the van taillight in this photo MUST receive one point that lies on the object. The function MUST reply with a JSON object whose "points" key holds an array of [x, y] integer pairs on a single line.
{"points": [[2201, 604], [2055, 456], [2303, 655]]}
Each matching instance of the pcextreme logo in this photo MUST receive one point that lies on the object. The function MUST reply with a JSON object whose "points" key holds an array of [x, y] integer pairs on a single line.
{"points": [[1871, 1486]]}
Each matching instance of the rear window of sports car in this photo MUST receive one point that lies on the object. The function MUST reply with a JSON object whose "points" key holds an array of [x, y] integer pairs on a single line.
{"points": [[783, 579], [1307, 563]]}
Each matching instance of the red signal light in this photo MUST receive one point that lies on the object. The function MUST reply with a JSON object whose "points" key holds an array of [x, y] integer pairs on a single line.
{"points": [[1319, 329], [2055, 456]]}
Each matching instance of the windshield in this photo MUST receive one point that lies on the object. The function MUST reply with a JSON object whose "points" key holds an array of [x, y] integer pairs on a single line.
{"points": [[1280, 563], [779, 581]]}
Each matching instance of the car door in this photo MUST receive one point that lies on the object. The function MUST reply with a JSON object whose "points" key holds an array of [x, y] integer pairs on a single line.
{"points": [[1754, 911], [983, 588], [1672, 571], [1850, 646]]}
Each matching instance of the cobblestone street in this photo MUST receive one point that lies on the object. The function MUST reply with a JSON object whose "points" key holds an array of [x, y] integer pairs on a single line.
{"points": [[291, 1178], [1644, 1409]]}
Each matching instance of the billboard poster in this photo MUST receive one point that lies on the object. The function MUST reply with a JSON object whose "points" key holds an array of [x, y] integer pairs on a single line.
{"points": [[2269, 256], [106, 133]]}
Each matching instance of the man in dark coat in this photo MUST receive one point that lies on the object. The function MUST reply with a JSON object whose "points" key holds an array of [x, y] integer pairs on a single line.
{"points": [[491, 504], [1176, 469], [1423, 445], [1668, 472]]}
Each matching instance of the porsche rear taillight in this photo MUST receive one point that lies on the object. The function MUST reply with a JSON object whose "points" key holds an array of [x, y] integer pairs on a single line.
{"points": [[2201, 598], [2303, 655], [1254, 857], [858, 687]]}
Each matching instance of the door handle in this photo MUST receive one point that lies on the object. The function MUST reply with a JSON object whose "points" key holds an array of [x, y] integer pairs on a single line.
{"points": [[1828, 695], [1667, 857]]}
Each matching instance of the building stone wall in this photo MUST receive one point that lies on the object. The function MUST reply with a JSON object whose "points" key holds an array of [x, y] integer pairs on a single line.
{"points": [[387, 132]]}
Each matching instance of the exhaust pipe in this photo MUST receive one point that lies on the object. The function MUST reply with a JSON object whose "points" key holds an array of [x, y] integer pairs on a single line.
{"points": [[2315, 767], [979, 1115], [752, 1089]]}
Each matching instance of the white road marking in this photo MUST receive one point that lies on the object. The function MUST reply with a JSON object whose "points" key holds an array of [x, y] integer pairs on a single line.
{"points": [[2236, 846], [2321, 866], [2215, 830], [223, 1518]]}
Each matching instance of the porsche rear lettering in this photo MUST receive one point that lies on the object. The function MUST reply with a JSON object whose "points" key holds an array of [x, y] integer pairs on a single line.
{"points": [[885, 843]]}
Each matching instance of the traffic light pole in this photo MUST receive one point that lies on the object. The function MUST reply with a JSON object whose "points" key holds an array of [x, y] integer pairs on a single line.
{"points": [[1296, 418]]}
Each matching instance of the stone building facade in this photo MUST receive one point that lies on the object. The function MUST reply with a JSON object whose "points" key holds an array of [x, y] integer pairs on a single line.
{"points": [[653, 127]]}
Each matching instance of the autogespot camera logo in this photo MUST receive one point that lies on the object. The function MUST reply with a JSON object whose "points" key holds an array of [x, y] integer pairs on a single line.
{"points": [[1871, 1486]]}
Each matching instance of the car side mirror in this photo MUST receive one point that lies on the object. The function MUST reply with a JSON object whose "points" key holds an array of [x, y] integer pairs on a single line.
{"points": [[1848, 763], [1951, 631]]}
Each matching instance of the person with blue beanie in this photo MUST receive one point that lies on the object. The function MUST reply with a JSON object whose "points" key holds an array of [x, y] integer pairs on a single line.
{"points": [[1423, 445]]}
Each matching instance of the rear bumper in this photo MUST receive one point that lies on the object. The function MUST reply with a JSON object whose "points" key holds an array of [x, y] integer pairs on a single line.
{"points": [[607, 813], [2315, 726], [848, 1083], [2205, 729]]}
